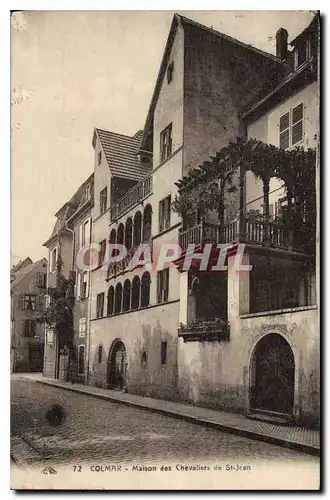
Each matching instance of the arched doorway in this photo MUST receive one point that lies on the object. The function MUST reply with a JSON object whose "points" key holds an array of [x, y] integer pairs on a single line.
{"points": [[117, 366], [273, 370]]}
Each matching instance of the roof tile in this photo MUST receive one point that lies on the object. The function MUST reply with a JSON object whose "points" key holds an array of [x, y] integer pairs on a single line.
{"points": [[121, 154]]}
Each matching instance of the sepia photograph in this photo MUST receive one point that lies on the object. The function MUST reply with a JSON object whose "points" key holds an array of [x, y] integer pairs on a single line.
{"points": [[165, 250]]}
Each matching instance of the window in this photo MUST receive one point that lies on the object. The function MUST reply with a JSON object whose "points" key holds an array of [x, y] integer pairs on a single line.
{"points": [[291, 127], [81, 360], [162, 285], [302, 52], [49, 336], [85, 233], [99, 158], [164, 214], [127, 295], [82, 328], [103, 247], [103, 200], [163, 352], [147, 218], [88, 192], [118, 297], [41, 280], [110, 299], [99, 356], [84, 286], [135, 301], [29, 328], [99, 305], [145, 289], [170, 70], [30, 302], [166, 143], [144, 359], [53, 260]]}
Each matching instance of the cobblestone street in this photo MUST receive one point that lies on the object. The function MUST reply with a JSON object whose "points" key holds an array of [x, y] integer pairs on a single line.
{"points": [[99, 431]]}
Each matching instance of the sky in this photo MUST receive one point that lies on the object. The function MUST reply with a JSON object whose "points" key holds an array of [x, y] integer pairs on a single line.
{"points": [[72, 71]]}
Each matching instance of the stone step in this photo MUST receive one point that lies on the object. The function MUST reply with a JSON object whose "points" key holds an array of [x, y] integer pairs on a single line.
{"points": [[271, 418]]}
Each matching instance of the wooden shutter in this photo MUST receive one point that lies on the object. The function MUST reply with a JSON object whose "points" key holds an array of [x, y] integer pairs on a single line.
{"points": [[20, 301], [161, 215], [297, 124], [26, 328], [159, 286], [87, 283], [78, 285], [80, 236], [40, 303], [166, 284], [285, 131], [167, 212]]}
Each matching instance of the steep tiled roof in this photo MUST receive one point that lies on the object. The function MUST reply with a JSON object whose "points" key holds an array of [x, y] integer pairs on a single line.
{"points": [[121, 154], [178, 19], [21, 264], [17, 276]]}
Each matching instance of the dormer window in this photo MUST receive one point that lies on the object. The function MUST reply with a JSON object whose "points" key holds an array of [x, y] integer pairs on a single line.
{"points": [[302, 52], [99, 158]]}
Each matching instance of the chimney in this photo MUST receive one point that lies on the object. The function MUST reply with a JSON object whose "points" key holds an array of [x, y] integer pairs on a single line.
{"points": [[282, 43]]}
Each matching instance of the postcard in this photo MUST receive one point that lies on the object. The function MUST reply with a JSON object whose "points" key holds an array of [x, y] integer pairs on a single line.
{"points": [[165, 258]]}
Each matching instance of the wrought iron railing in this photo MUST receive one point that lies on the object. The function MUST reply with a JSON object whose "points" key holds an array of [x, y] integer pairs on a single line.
{"points": [[119, 267], [242, 230], [131, 198]]}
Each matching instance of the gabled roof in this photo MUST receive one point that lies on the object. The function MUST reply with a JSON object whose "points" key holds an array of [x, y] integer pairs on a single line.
{"points": [[312, 27], [121, 152], [182, 20], [68, 209], [17, 276], [21, 264]]}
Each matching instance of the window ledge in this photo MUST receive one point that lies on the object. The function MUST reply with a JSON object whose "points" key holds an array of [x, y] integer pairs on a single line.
{"points": [[278, 311], [137, 310], [167, 230], [167, 159]]}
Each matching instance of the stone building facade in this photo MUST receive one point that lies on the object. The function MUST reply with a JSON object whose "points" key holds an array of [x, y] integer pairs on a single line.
{"points": [[142, 335], [27, 291]]}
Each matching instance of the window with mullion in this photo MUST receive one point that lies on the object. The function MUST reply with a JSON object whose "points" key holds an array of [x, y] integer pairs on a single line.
{"points": [[162, 285], [166, 143], [99, 305]]}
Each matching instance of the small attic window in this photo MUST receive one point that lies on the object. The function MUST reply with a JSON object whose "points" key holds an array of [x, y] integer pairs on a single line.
{"points": [[170, 70], [302, 52], [99, 158]]}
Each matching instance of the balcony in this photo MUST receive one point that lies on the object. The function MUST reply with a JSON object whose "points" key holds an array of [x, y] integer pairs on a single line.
{"points": [[134, 196], [116, 268], [201, 330], [270, 234]]}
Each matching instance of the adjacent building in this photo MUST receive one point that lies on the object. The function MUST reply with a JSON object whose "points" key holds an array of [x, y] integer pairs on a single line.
{"points": [[71, 230], [27, 291]]}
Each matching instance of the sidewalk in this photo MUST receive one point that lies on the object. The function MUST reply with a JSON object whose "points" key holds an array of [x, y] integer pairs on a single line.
{"points": [[296, 438]]}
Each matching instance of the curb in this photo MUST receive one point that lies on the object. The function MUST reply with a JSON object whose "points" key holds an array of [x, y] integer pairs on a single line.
{"points": [[292, 445]]}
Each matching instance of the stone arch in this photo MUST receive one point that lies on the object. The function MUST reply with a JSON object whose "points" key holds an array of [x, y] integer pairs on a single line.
{"points": [[272, 375], [117, 365], [137, 229], [147, 220]]}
